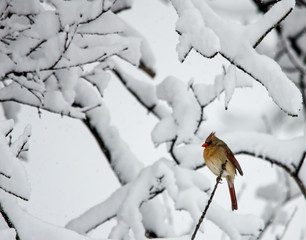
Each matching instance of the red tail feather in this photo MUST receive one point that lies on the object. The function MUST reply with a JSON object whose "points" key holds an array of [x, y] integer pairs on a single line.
{"points": [[233, 195]]}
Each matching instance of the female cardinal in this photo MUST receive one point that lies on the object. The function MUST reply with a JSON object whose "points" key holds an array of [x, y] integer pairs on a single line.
{"points": [[217, 155]]}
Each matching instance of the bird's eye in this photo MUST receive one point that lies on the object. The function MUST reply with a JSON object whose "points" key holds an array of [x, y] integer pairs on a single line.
{"points": [[209, 142]]}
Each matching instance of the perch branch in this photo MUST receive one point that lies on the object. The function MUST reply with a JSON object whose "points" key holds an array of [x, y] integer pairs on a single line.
{"points": [[209, 201]]}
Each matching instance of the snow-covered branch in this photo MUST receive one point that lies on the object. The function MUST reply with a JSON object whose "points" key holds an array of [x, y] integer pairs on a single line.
{"points": [[143, 91], [287, 154], [20, 144], [205, 31], [100, 213], [124, 163], [20, 224], [186, 188], [45, 55], [13, 179]]}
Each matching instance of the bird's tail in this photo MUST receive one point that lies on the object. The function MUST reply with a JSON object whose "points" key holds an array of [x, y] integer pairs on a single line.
{"points": [[232, 194]]}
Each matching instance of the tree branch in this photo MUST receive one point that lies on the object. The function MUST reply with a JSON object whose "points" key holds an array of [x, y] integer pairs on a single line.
{"points": [[287, 225], [271, 28], [293, 174], [8, 221], [171, 151], [209, 202], [151, 108], [14, 194]]}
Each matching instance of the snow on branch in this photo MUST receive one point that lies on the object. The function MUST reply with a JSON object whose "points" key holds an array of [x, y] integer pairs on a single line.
{"points": [[45, 55], [22, 222], [186, 113], [188, 102], [100, 213], [124, 163], [143, 91], [13, 178], [236, 43], [288, 154], [187, 189], [226, 82], [20, 144]]}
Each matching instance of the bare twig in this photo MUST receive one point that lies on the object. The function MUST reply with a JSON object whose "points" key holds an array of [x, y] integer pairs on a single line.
{"points": [[209, 201], [287, 225], [14, 194], [271, 28], [171, 150], [202, 110]]}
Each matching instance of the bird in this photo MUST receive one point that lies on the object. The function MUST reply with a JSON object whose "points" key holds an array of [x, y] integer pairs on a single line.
{"points": [[217, 156]]}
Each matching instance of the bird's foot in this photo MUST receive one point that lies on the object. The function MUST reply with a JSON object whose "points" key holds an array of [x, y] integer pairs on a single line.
{"points": [[224, 166], [219, 180]]}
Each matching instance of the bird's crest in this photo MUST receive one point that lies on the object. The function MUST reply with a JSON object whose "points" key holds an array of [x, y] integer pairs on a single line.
{"points": [[212, 134]]}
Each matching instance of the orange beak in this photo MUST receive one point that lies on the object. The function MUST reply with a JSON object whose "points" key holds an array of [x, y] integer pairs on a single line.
{"points": [[205, 145]]}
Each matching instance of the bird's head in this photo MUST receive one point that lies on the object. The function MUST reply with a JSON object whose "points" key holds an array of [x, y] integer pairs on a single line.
{"points": [[211, 140]]}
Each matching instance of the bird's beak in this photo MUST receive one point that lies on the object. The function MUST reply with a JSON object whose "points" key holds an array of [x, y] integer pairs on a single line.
{"points": [[205, 145]]}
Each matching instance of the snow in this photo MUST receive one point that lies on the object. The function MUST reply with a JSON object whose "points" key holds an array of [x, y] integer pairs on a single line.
{"points": [[52, 77], [79, 11], [46, 25], [13, 178], [290, 26], [107, 23], [21, 142], [8, 234], [236, 45], [229, 84], [164, 131], [206, 93], [121, 4], [147, 56], [185, 112], [193, 32], [144, 90], [99, 213], [189, 156], [264, 23], [124, 163], [6, 126], [21, 7], [184, 186], [191, 199], [288, 152], [39, 49], [98, 78], [31, 228], [10, 109]]}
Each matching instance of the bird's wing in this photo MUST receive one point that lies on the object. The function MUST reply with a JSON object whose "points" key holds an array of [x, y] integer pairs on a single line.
{"points": [[234, 161]]}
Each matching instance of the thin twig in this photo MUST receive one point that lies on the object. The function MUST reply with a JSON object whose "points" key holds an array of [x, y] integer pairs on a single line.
{"points": [[208, 203], [287, 225], [171, 151]]}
